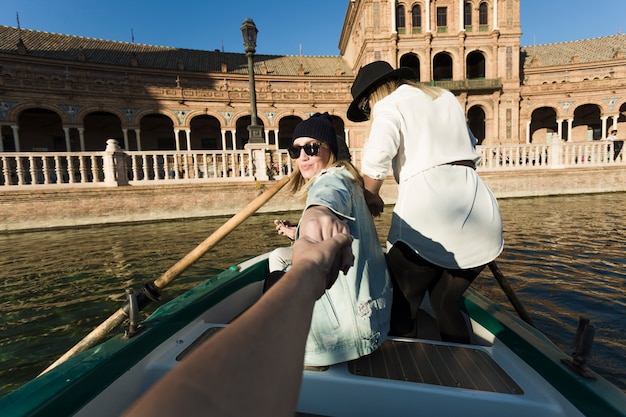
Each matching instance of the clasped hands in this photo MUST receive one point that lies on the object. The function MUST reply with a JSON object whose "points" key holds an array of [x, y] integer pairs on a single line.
{"points": [[324, 245]]}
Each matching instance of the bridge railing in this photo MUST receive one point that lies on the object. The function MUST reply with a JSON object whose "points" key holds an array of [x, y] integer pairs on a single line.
{"points": [[115, 167]]}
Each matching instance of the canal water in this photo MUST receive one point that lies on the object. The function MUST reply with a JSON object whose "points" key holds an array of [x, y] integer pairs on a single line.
{"points": [[564, 256]]}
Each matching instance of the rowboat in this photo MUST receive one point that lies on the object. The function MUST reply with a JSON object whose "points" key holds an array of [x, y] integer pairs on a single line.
{"points": [[510, 368]]}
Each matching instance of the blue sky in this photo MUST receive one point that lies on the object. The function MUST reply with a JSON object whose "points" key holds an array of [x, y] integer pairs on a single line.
{"points": [[285, 27]]}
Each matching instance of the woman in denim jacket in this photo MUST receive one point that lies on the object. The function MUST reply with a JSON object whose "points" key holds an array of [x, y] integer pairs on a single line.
{"points": [[352, 318]]}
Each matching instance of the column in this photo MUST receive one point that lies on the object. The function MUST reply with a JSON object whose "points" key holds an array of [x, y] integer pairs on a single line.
{"points": [[528, 132], [81, 135], [427, 7], [68, 144], [495, 15], [223, 132], [462, 16], [570, 122], [177, 138], [125, 133], [267, 136], [392, 5], [559, 128], [604, 119], [188, 135], [233, 135], [138, 137], [16, 137], [276, 138]]}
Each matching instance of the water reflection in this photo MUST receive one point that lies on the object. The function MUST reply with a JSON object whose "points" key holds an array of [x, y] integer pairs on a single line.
{"points": [[563, 256]]}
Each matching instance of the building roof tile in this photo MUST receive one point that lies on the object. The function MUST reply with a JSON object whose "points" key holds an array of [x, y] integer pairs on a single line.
{"points": [[76, 48], [582, 51]]}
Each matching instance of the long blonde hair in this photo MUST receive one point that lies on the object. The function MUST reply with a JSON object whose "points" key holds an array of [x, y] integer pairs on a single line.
{"points": [[389, 86]]}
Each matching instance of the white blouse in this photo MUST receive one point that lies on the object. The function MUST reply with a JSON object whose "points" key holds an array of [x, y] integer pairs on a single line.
{"points": [[446, 213]]}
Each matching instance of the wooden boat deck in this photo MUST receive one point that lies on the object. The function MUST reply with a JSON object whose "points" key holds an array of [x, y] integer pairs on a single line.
{"points": [[436, 364]]}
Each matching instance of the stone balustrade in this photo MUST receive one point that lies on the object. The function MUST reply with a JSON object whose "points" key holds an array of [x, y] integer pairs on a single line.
{"points": [[116, 167]]}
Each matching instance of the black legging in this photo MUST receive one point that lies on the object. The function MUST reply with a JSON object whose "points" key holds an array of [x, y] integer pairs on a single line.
{"points": [[412, 276]]}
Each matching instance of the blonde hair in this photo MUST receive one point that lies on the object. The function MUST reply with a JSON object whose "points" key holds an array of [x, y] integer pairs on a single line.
{"points": [[389, 86], [298, 182]]}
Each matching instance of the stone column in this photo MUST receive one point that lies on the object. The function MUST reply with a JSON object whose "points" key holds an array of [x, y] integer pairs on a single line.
{"points": [[177, 138], [125, 133], [16, 137], [138, 137], [276, 139], [427, 7], [223, 132], [495, 15], [68, 144], [604, 119], [462, 21], [570, 122], [392, 6], [188, 135], [81, 135], [233, 135]]}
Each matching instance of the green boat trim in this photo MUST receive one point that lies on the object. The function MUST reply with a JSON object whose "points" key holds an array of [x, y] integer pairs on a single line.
{"points": [[64, 390], [592, 397]]}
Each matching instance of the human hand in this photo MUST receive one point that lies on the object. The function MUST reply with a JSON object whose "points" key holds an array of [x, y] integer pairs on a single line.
{"points": [[324, 259], [320, 223], [285, 228], [374, 202]]}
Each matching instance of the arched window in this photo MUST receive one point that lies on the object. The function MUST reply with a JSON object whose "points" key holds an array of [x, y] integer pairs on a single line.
{"points": [[467, 16], [475, 65], [400, 19], [483, 16], [416, 18], [476, 123], [412, 61], [442, 67]]}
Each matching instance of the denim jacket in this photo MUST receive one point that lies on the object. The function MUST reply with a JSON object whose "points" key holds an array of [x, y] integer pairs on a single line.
{"points": [[352, 318]]}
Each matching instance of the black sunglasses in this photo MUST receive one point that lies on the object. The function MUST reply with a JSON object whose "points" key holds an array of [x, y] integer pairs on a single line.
{"points": [[311, 149]]}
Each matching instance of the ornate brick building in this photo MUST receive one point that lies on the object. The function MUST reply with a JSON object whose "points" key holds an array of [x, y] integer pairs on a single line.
{"points": [[61, 93]]}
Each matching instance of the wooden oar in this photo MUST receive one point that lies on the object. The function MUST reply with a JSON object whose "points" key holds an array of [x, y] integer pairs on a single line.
{"points": [[504, 284], [154, 288]]}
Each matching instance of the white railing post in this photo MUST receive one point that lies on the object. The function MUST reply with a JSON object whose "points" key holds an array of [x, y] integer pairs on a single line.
{"points": [[114, 165], [555, 151]]}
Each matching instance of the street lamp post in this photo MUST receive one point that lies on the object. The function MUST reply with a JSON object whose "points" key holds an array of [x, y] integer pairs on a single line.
{"points": [[249, 32], [255, 132]]}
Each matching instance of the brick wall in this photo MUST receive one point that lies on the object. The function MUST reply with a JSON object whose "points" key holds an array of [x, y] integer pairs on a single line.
{"points": [[33, 210]]}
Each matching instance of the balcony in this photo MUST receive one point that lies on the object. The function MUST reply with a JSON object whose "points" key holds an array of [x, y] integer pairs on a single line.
{"points": [[468, 85]]}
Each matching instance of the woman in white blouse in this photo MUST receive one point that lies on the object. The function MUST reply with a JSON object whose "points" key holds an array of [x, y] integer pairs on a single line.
{"points": [[446, 223]]}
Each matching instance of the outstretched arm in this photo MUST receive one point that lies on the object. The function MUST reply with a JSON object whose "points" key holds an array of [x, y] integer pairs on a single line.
{"points": [[254, 365]]}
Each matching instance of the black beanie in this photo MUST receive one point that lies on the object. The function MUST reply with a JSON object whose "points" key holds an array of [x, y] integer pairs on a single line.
{"points": [[320, 127]]}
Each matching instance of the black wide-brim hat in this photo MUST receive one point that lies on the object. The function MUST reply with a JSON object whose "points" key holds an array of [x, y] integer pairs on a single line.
{"points": [[369, 77]]}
